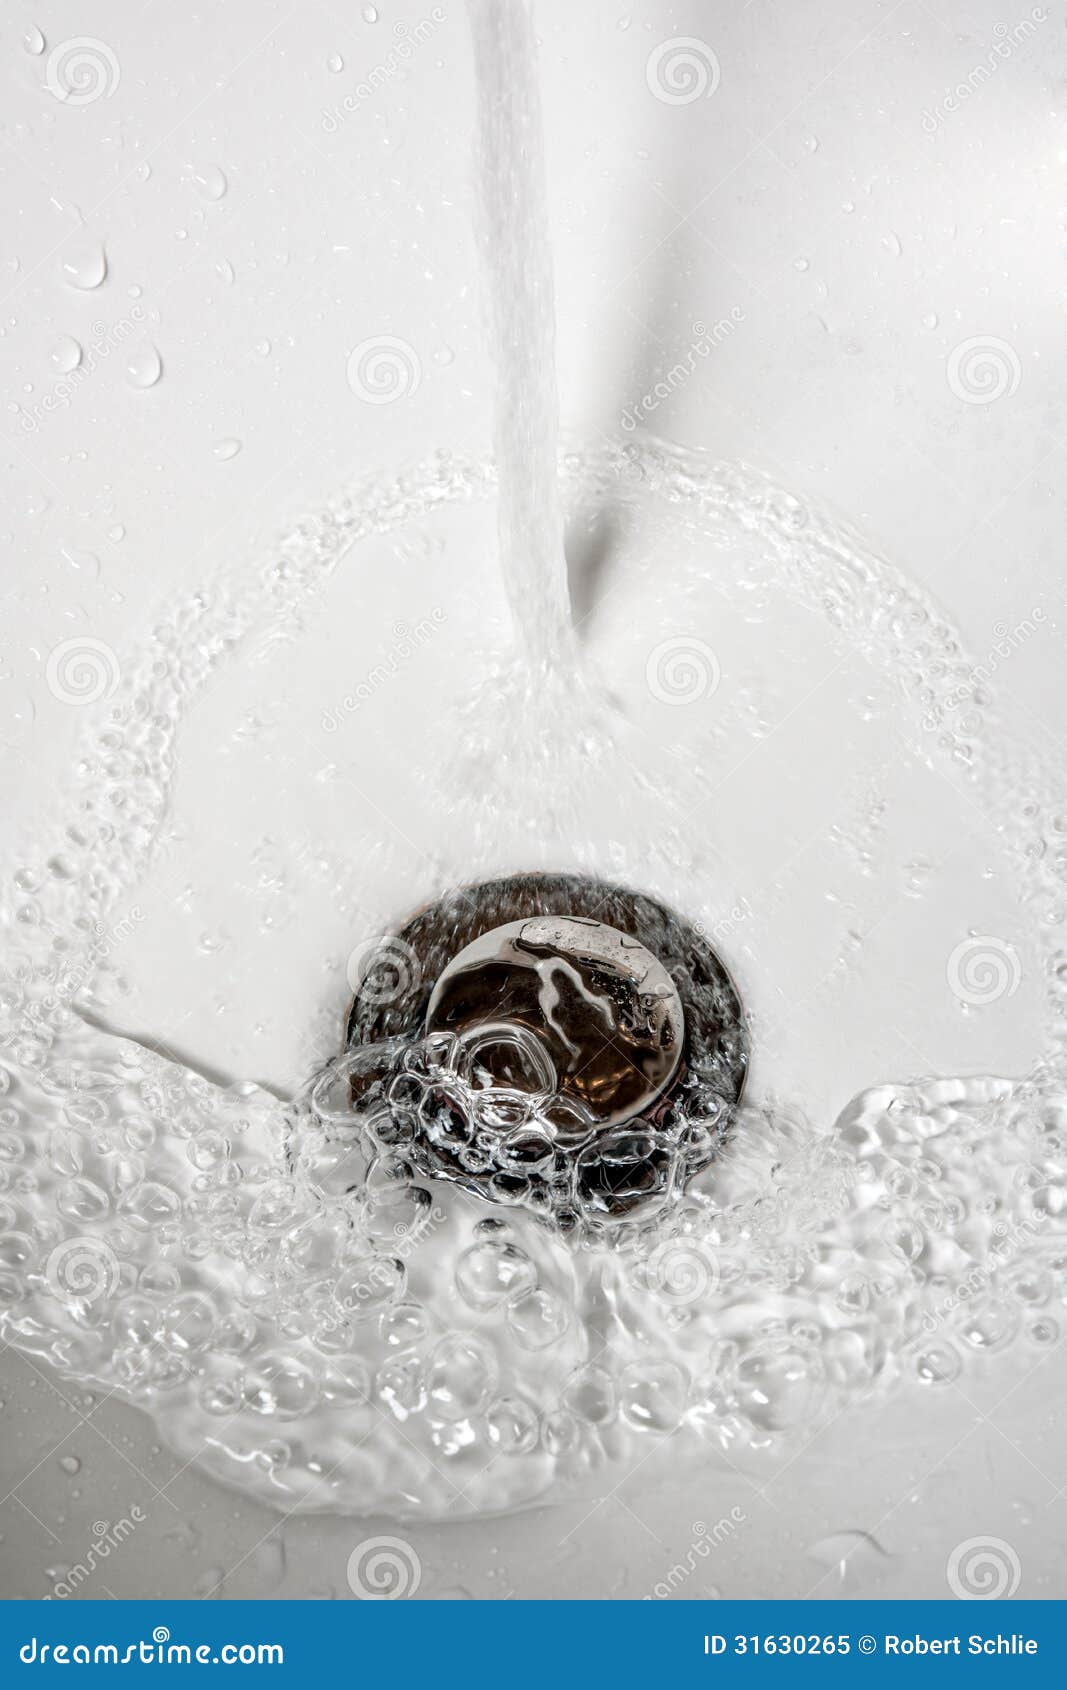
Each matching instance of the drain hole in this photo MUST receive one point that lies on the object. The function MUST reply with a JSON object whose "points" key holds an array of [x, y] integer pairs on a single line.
{"points": [[550, 1041]]}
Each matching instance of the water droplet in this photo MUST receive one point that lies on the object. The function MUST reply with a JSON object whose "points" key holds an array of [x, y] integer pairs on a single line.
{"points": [[335, 63], [801, 264], [931, 320], [370, 14], [144, 366], [33, 41], [226, 448], [209, 181], [85, 264], [225, 270], [87, 562], [66, 354], [460, 1377], [938, 1365], [538, 1318], [70, 1464], [262, 347], [490, 1274], [849, 1552]]}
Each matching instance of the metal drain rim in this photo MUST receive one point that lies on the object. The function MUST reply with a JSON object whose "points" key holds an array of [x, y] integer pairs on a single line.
{"points": [[716, 1048]]}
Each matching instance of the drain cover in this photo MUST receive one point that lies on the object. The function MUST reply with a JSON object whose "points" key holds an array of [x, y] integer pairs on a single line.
{"points": [[575, 1047]]}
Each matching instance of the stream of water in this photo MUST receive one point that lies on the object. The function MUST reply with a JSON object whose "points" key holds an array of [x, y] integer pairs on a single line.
{"points": [[521, 300]]}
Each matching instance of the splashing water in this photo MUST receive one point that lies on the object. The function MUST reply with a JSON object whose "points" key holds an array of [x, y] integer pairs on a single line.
{"points": [[300, 1309], [311, 1320]]}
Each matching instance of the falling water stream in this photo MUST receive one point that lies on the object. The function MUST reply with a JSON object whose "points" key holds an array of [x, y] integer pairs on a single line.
{"points": [[302, 1313], [518, 263]]}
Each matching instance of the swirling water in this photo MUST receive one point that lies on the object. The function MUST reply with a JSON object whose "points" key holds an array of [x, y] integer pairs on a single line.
{"points": [[313, 1322]]}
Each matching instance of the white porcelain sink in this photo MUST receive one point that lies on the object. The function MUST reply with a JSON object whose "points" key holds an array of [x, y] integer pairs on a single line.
{"points": [[826, 263]]}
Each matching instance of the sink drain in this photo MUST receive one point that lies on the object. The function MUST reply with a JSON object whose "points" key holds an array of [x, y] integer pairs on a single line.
{"points": [[565, 1044]]}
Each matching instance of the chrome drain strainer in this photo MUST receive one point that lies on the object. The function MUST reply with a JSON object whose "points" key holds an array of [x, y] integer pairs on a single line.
{"points": [[553, 1042]]}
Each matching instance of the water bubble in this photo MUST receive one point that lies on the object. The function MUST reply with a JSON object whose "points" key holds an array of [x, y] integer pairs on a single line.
{"points": [[150, 1204], [401, 1385], [512, 1426], [222, 1393], [83, 1200], [404, 1326], [84, 264], [653, 1395], [460, 1377], [144, 366], [560, 1432], [66, 354], [538, 1318], [367, 1286], [590, 1395], [778, 1387], [226, 448], [491, 1274], [1045, 1331], [279, 1385], [938, 1365], [346, 1379], [990, 1324], [209, 181]]}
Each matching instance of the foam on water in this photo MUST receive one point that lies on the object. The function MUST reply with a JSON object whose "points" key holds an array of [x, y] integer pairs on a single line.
{"points": [[312, 1323]]}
